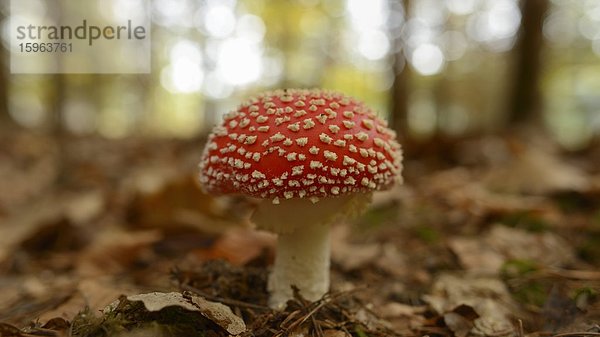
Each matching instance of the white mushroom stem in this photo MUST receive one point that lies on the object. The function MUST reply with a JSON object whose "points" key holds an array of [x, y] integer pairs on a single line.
{"points": [[302, 257], [303, 261]]}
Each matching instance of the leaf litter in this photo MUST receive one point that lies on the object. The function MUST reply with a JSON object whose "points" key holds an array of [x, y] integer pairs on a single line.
{"points": [[454, 252]]}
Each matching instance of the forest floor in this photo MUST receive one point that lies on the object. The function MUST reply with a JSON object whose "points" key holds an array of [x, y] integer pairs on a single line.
{"points": [[489, 236]]}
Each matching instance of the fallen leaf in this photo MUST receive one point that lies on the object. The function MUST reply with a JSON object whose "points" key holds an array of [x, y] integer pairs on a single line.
{"points": [[487, 254], [535, 171], [7, 330], [114, 250], [460, 325], [93, 293], [218, 313], [157, 301], [69, 210], [395, 309], [476, 255], [239, 246], [546, 248], [165, 200], [351, 256], [487, 296]]}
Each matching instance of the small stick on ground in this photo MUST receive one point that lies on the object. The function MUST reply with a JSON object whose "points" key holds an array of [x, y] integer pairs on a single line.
{"points": [[572, 334], [521, 332], [225, 300], [318, 305]]}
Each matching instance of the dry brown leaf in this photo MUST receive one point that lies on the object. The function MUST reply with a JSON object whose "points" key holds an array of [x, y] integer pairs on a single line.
{"points": [[395, 309], [24, 223], [488, 296], [239, 246], [24, 298], [402, 317], [73, 208], [351, 256], [487, 254], [7, 330], [114, 250], [476, 255], [462, 189], [393, 261], [157, 301], [165, 200], [546, 248], [218, 313], [93, 293], [536, 171], [28, 167], [460, 325]]}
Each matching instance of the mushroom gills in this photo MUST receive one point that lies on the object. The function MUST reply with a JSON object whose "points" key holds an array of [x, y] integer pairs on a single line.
{"points": [[291, 214]]}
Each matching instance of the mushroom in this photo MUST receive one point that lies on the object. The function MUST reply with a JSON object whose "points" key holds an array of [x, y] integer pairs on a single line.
{"points": [[313, 157]]}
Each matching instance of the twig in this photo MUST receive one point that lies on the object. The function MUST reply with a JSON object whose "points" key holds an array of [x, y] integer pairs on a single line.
{"points": [[224, 300], [587, 275], [317, 327], [569, 334], [521, 332], [327, 298]]}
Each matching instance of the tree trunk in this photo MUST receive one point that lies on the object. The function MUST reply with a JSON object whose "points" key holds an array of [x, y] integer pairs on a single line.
{"points": [[525, 102], [399, 91], [5, 120]]}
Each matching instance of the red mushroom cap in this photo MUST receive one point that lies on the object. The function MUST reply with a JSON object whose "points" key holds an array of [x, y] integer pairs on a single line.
{"points": [[300, 143]]}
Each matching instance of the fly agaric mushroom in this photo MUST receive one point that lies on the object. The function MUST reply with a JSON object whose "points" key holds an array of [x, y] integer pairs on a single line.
{"points": [[315, 156]]}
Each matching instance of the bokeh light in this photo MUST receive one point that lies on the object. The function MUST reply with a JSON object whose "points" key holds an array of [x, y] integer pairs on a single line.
{"points": [[239, 61], [184, 74], [250, 28], [427, 59], [367, 14], [373, 44], [461, 7], [219, 21]]}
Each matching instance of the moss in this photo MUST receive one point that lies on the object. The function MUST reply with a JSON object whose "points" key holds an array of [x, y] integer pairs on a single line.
{"points": [[517, 268], [524, 290], [528, 221], [532, 293], [427, 234], [589, 250], [589, 293], [378, 216], [359, 332]]}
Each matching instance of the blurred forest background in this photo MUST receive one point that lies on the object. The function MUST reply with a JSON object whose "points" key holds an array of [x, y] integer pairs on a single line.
{"points": [[450, 67], [495, 232]]}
